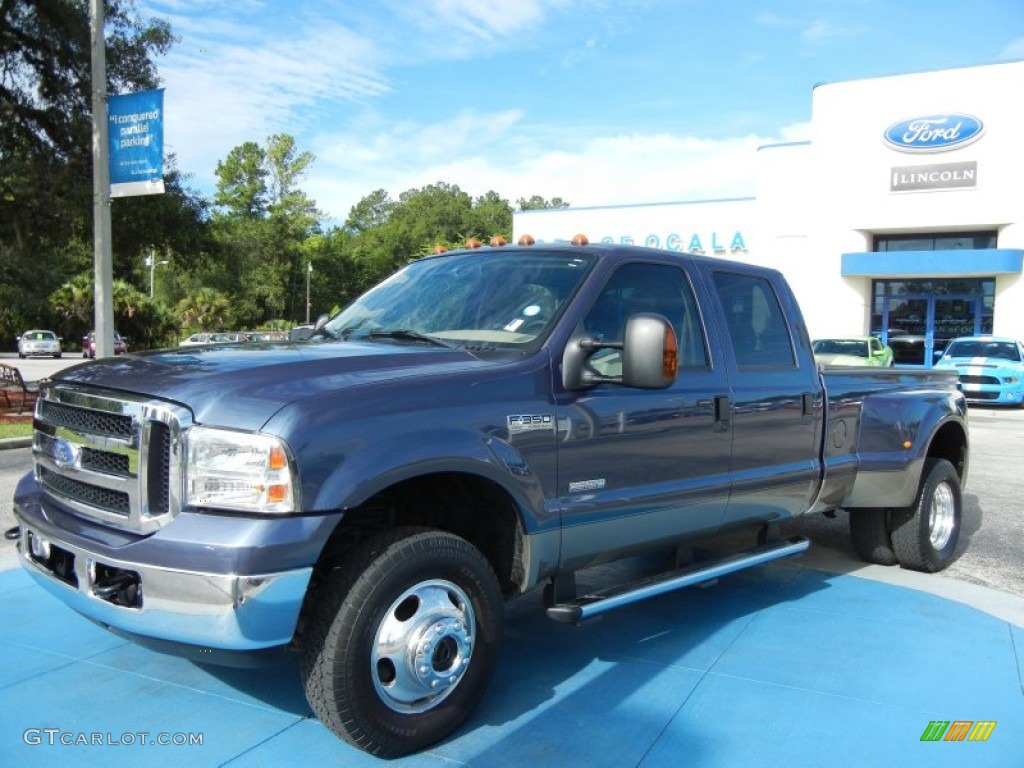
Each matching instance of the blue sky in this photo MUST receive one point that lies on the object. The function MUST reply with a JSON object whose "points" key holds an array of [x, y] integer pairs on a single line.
{"points": [[594, 101]]}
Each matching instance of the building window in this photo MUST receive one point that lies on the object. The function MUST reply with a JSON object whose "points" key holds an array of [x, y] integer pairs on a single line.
{"points": [[939, 241]]}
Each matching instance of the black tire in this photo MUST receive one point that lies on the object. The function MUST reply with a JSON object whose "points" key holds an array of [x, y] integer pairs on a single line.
{"points": [[21, 356], [436, 598], [925, 535], [57, 356], [869, 532]]}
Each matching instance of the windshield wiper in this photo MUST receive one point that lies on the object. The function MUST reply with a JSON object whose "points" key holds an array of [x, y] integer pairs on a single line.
{"points": [[407, 334]]}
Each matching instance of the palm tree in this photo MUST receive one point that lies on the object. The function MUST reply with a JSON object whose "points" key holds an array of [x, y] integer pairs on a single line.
{"points": [[206, 309]]}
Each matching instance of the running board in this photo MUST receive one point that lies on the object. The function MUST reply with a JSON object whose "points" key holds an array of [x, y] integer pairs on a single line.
{"points": [[587, 607]]}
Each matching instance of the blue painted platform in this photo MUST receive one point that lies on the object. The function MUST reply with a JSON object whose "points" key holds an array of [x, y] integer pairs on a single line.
{"points": [[781, 665]]}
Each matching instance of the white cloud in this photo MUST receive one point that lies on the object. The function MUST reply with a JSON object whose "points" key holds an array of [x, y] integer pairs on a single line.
{"points": [[481, 152], [479, 19]]}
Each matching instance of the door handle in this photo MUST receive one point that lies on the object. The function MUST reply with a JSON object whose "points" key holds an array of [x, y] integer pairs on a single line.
{"points": [[723, 413], [808, 407]]}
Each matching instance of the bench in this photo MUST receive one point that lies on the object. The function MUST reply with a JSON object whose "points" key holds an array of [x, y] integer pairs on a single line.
{"points": [[13, 385]]}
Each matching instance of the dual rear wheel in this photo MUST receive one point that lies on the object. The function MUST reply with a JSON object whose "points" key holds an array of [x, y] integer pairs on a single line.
{"points": [[921, 537]]}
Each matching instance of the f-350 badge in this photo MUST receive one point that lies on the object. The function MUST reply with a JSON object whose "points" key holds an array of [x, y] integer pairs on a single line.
{"points": [[530, 423]]}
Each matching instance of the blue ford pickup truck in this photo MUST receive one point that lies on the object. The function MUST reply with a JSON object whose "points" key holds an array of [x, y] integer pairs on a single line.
{"points": [[484, 423]]}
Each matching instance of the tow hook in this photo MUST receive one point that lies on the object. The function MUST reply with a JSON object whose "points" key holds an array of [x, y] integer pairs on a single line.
{"points": [[12, 534]]}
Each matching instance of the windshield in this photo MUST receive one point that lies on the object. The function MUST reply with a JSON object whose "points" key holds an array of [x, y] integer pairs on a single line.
{"points": [[852, 347], [1004, 350], [480, 299]]}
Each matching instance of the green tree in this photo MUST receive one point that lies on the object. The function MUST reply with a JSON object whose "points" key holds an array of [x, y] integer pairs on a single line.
{"points": [[45, 140], [374, 210], [537, 203], [206, 309], [242, 182]]}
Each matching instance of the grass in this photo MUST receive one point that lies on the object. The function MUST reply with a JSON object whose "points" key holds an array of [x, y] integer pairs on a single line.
{"points": [[9, 429]]}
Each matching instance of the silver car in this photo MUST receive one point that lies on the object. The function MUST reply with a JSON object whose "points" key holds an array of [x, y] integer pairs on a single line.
{"points": [[33, 343]]}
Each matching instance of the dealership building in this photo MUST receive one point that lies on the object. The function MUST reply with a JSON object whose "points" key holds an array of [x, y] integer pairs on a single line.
{"points": [[902, 216]]}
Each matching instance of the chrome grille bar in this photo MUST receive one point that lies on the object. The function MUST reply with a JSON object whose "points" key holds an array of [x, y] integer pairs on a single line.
{"points": [[110, 456]]}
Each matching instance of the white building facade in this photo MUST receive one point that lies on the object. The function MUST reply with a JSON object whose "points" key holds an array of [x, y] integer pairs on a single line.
{"points": [[902, 216]]}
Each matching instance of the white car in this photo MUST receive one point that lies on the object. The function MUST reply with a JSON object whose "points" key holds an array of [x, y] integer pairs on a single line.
{"points": [[203, 339], [35, 342], [197, 339]]}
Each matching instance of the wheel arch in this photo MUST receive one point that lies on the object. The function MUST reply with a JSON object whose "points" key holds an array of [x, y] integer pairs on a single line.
{"points": [[470, 505], [950, 443]]}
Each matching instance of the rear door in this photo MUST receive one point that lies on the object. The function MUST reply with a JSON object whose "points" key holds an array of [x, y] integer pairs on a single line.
{"points": [[775, 399]]}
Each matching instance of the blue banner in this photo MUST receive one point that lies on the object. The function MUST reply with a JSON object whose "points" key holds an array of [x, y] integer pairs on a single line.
{"points": [[136, 123]]}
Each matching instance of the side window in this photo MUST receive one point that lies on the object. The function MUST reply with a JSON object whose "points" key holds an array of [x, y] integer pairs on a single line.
{"points": [[758, 330], [656, 288]]}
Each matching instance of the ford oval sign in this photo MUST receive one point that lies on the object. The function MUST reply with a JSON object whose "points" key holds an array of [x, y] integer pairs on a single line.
{"points": [[935, 133]]}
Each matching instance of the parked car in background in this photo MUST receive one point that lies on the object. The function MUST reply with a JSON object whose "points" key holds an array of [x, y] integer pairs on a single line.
{"points": [[89, 344], [202, 339], [855, 350], [991, 368], [38, 343], [268, 336], [196, 339]]}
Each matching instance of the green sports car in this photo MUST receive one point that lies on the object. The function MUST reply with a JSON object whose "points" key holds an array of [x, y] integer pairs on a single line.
{"points": [[855, 350]]}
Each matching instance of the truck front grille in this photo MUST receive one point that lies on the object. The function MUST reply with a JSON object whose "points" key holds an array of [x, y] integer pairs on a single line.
{"points": [[110, 456]]}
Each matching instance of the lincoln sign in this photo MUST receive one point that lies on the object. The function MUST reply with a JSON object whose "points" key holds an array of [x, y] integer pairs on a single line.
{"points": [[913, 178]]}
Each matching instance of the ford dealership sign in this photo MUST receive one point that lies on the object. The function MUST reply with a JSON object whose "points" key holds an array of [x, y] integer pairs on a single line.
{"points": [[935, 133]]}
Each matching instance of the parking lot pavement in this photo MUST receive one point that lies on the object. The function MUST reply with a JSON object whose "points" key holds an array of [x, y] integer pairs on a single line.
{"points": [[778, 665]]}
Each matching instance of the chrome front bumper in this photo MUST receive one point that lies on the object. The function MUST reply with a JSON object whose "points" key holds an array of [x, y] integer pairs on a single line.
{"points": [[219, 611]]}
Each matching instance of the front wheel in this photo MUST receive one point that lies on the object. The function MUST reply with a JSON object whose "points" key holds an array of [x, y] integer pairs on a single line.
{"points": [[924, 536], [402, 640]]}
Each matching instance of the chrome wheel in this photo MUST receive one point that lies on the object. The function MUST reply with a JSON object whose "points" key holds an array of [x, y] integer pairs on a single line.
{"points": [[423, 646], [941, 516]]}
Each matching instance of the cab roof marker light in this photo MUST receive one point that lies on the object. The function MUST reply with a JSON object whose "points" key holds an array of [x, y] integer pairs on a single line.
{"points": [[527, 240], [581, 239]]}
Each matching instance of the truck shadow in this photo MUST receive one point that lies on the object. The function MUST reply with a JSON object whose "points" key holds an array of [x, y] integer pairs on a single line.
{"points": [[676, 637]]}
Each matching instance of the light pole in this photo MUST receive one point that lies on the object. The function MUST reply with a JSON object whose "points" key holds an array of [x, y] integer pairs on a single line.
{"points": [[151, 262], [309, 271]]}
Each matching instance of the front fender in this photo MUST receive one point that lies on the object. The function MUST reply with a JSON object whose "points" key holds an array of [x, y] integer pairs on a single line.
{"points": [[359, 475]]}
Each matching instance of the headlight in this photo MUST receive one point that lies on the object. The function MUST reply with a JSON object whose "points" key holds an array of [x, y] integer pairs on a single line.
{"points": [[238, 470]]}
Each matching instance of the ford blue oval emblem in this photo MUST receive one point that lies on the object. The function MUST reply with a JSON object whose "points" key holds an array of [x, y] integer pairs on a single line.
{"points": [[934, 133], [64, 452]]}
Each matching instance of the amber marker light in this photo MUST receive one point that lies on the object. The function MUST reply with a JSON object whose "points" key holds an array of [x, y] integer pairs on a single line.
{"points": [[670, 355], [581, 239], [497, 241], [527, 240], [277, 459]]}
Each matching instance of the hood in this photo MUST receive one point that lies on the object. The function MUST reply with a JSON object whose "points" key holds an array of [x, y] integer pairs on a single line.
{"points": [[244, 385]]}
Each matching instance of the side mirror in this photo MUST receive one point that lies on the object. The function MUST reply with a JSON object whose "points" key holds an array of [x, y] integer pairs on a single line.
{"points": [[650, 355]]}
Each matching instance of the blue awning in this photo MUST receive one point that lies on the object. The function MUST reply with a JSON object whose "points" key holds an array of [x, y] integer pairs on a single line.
{"points": [[989, 261]]}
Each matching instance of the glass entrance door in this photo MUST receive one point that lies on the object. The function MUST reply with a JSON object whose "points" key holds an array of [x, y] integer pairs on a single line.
{"points": [[953, 316], [919, 317], [918, 328]]}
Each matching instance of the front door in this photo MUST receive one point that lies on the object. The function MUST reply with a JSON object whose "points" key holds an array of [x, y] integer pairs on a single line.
{"points": [[636, 467]]}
